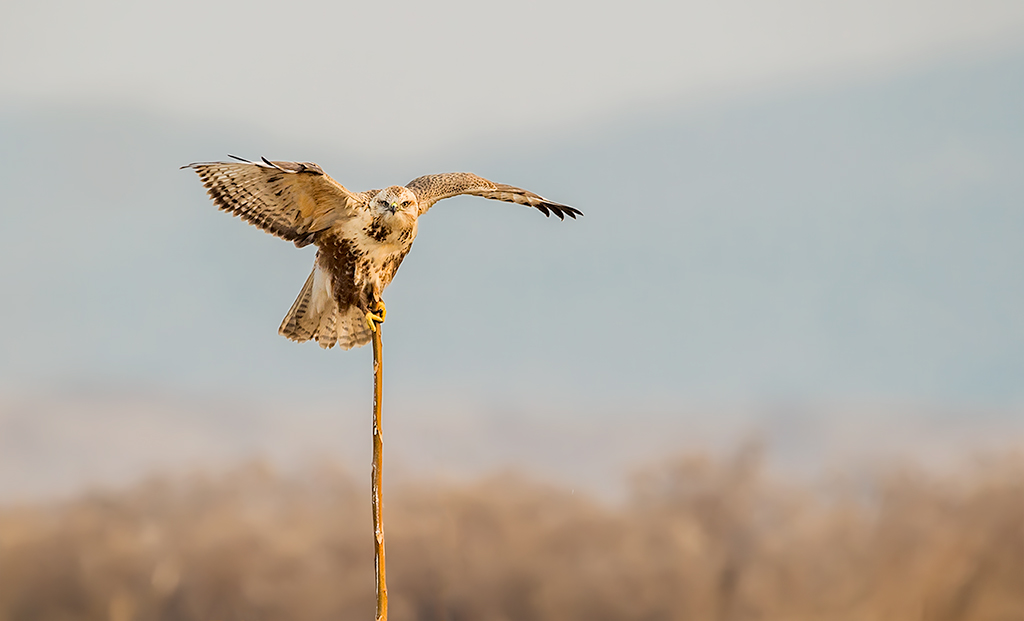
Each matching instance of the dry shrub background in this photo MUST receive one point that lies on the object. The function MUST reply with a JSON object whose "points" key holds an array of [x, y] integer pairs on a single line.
{"points": [[700, 538]]}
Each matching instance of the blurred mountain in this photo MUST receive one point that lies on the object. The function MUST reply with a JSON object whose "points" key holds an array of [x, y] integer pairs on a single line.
{"points": [[854, 241], [839, 245]]}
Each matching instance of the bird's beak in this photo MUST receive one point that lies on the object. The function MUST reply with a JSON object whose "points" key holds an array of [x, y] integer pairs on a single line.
{"points": [[394, 207]]}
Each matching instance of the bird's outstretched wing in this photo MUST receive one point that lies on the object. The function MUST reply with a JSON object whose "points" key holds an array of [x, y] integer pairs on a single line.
{"points": [[431, 188], [292, 200]]}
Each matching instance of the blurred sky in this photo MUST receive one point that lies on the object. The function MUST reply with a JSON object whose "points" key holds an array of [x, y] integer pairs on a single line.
{"points": [[795, 211], [421, 76]]}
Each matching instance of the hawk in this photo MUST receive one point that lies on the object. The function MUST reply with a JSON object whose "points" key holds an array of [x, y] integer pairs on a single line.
{"points": [[361, 237]]}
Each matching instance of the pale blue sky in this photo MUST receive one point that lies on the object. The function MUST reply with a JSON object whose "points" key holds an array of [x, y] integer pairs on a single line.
{"points": [[420, 77], [813, 210]]}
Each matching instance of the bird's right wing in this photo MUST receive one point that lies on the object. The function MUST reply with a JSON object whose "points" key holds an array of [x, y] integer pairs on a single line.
{"points": [[292, 200]]}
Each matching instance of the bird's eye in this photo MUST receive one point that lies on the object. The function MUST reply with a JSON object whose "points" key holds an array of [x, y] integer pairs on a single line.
{"points": [[406, 203]]}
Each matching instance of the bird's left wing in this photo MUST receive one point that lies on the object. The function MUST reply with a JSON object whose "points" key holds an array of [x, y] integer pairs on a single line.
{"points": [[431, 188], [292, 200]]}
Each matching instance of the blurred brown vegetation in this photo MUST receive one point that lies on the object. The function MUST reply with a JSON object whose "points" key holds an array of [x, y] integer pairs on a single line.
{"points": [[699, 538]]}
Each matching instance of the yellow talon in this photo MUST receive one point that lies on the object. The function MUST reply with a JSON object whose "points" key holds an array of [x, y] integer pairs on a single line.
{"points": [[372, 321]]}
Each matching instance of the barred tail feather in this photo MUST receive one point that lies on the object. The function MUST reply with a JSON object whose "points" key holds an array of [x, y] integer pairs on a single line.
{"points": [[352, 329], [300, 324], [326, 333], [315, 315]]}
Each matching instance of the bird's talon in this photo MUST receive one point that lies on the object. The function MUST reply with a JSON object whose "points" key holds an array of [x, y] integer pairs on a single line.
{"points": [[372, 321], [382, 311]]}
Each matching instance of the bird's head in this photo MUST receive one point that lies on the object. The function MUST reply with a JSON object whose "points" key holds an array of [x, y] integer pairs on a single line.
{"points": [[395, 200]]}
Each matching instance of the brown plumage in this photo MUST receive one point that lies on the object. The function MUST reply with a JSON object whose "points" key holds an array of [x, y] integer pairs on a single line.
{"points": [[431, 188], [362, 237]]}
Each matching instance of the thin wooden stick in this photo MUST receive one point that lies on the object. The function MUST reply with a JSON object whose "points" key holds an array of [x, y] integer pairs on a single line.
{"points": [[375, 480]]}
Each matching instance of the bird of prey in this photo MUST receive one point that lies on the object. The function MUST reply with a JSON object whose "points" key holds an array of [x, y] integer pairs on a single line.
{"points": [[361, 237]]}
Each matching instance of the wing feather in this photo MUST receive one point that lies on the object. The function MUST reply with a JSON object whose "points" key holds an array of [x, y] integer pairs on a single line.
{"points": [[432, 188], [292, 200]]}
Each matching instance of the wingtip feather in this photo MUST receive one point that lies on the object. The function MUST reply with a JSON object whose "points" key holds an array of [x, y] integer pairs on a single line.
{"points": [[275, 166]]}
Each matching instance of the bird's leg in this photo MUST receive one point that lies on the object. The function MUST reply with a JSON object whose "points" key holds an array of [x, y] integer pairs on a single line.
{"points": [[377, 315]]}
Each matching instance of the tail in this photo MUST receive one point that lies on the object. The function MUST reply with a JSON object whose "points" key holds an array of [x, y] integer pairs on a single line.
{"points": [[315, 315]]}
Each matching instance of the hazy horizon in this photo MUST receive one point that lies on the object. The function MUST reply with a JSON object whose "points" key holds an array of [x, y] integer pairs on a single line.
{"points": [[801, 222]]}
